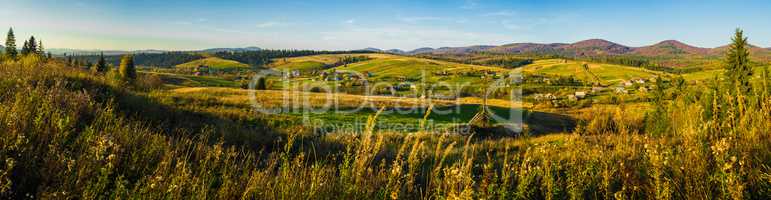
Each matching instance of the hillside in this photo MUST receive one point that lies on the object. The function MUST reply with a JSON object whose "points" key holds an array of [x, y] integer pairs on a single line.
{"points": [[387, 66], [214, 63], [608, 74], [594, 47], [670, 48]]}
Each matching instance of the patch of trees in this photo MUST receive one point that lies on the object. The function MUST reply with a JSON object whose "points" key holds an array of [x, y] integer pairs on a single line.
{"points": [[31, 46], [163, 60], [264, 57], [641, 62], [508, 62], [347, 60], [488, 59]]}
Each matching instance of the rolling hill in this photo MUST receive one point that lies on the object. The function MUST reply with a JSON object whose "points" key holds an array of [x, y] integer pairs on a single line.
{"points": [[669, 48], [214, 63], [389, 66], [607, 74]]}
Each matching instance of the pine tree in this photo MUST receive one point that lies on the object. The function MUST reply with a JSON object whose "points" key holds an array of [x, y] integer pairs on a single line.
{"points": [[101, 65], [738, 68], [32, 45], [40, 50], [25, 48], [127, 69], [10, 44]]}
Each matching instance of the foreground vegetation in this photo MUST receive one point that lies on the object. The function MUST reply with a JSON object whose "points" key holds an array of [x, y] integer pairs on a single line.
{"points": [[70, 133]]}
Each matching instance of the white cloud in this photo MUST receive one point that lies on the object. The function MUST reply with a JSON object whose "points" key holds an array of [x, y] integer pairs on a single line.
{"points": [[268, 24], [418, 19], [350, 21], [505, 13]]}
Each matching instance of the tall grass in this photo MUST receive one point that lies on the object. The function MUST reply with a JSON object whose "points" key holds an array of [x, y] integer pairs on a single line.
{"points": [[67, 133]]}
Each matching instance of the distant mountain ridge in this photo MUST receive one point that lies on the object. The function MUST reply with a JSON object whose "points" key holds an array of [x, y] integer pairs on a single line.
{"points": [[591, 47], [62, 51]]}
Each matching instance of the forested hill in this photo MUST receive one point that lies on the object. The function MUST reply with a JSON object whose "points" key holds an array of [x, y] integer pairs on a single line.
{"points": [[171, 59]]}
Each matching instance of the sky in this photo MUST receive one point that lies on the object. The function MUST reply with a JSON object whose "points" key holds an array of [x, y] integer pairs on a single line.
{"points": [[385, 24]]}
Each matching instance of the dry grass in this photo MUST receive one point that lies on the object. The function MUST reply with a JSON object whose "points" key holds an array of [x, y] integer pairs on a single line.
{"points": [[67, 135]]}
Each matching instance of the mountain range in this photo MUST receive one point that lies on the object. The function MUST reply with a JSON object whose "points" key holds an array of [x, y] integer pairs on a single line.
{"points": [[61, 51], [591, 47]]}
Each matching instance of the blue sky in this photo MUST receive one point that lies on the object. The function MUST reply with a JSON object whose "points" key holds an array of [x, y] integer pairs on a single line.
{"points": [[288, 24]]}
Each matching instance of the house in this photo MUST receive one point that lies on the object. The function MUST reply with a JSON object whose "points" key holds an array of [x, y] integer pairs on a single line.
{"points": [[543, 97], [628, 83], [580, 95]]}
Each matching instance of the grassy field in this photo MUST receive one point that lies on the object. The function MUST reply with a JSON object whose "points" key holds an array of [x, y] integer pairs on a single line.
{"points": [[214, 63], [385, 66], [182, 80], [607, 74], [399, 111]]}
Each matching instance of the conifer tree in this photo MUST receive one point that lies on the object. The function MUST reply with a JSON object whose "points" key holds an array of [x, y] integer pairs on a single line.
{"points": [[32, 45], [738, 68], [10, 44], [40, 50], [127, 69], [25, 48], [101, 65]]}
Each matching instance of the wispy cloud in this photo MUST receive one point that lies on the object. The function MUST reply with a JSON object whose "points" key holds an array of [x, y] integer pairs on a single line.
{"points": [[504, 13], [418, 19], [269, 24], [349, 21]]}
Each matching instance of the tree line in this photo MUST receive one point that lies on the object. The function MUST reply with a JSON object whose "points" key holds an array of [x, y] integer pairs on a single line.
{"points": [[264, 57], [162, 60]]}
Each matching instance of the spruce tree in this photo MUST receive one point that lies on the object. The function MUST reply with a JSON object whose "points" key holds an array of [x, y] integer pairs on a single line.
{"points": [[25, 48], [127, 69], [101, 65], [40, 50], [10, 44], [32, 45], [738, 68]]}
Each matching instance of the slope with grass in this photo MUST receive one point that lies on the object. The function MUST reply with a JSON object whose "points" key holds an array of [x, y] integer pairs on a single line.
{"points": [[606, 74], [214, 63], [311, 63], [711, 74], [382, 65]]}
